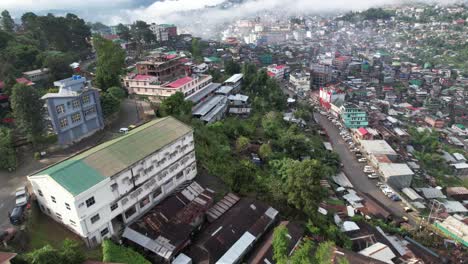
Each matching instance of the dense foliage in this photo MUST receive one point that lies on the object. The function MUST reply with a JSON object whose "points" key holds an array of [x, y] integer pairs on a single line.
{"points": [[118, 254], [29, 48], [294, 161], [110, 63], [7, 151], [111, 100], [28, 111], [70, 253], [369, 14]]}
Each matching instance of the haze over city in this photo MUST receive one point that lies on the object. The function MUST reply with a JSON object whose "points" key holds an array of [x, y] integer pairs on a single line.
{"points": [[233, 131]]}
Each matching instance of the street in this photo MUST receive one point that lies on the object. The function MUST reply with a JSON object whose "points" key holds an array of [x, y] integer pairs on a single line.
{"points": [[10, 181], [354, 170]]}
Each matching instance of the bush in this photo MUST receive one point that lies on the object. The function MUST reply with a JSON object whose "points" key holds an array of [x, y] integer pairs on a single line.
{"points": [[37, 155], [115, 253]]}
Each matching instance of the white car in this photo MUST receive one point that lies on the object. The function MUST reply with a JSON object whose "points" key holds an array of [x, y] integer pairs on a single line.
{"points": [[368, 169], [123, 130], [22, 196], [362, 160], [373, 176]]}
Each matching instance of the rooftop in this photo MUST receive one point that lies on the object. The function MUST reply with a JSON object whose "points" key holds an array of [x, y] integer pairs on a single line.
{"points": [[81, 172], [222, 235], [235, 78], [377, 147], [180, 82], [395, 169], [165, 229]]}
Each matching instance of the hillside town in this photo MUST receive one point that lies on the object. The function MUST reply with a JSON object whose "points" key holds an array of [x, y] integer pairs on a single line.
{"points": [[283, 139]]}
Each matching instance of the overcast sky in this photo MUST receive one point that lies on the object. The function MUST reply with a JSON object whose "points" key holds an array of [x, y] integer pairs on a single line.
{"points": [[114, 11]]}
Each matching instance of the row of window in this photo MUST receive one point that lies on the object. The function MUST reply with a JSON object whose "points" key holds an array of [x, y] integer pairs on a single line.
{"points": [[74, 104], [63, 122]]}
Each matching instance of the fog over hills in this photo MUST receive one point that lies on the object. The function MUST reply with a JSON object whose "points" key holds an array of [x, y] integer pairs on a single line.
{"points": [[198, 13]]}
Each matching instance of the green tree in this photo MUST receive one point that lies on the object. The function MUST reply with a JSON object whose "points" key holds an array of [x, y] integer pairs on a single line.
{"points": [[117, 92], [265, 151], [232, 67], [242, 143], [280, 245], [9, 82], [196, 50], [303, 254], [175, 105], [141, 32], [28, 109], [110, 62], [44, 255], [70, 253], [7, 22], [110, 105], [124, 32], [22, 56], [303, 185], [5, 38], [7, 151], [58, 65], [324, 253]]}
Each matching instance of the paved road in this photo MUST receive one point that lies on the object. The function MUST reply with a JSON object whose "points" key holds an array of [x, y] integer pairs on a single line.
{"points": [[354, 170], [9, 181]]}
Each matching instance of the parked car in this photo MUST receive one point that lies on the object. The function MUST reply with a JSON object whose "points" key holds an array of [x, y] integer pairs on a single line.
{"points": [[368, 169], [255, 158], [123, 130], [378, 184], [17, 215], [387, 191], [373, 176], [395, 198], [362, 160], [22, 196], [408, 209], [131, 127]]}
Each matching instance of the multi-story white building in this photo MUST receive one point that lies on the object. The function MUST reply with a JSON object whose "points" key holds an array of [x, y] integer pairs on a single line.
{"points": [[151, 86], [99, 191], [300, 81]]}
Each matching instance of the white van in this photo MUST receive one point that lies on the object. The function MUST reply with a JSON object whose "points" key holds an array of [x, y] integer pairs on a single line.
{"points": [[123, 130]]}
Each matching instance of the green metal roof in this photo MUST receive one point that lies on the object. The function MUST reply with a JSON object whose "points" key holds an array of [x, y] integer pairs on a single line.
{"points": [[79, 173]]}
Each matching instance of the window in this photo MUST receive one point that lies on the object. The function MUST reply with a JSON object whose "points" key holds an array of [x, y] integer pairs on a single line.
{"points": [[104, 232], [90, 111], [53, 199], [59, 216], [90, 202], [72, 222], [40, 192], [63, 122], [75, 117], [131, 211], [60, 109], [114, 186], [75, 103], [114, 206], [86, 99], [67, 206], [48, 211], [144, 202], [95, 218], [179, 175]]}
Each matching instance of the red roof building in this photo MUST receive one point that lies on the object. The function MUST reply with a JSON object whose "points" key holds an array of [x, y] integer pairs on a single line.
{"points": [[21, 80], [180, 82]]}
